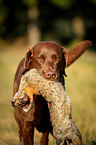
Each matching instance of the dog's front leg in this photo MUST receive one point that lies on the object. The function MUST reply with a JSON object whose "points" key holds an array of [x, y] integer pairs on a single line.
{"points": [[26, 134], [44, 138]]}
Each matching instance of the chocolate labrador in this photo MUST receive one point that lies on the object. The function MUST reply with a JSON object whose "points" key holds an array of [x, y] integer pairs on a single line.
{"points": [[50, 59]]}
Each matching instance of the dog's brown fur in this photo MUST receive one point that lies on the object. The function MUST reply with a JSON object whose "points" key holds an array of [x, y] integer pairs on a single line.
{"points": [[50, 60]]}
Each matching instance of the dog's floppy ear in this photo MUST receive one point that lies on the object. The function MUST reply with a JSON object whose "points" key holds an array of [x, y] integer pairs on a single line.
{"points": [[65, 55], [28, 59], [74, 53]]}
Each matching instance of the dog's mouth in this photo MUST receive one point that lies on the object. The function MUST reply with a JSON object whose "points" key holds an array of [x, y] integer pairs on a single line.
{"points": [[56, 79]]}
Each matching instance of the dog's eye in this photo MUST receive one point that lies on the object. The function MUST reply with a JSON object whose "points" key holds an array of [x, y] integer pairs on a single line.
{"points": [[57, 58], [41, 58]]}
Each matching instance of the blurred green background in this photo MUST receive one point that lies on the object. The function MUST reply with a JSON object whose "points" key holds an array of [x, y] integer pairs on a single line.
{"points": [[64, 21], [23, 23]]}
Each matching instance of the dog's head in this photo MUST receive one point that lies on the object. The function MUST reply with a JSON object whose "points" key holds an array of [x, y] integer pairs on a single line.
{"points": [[49, 58]]}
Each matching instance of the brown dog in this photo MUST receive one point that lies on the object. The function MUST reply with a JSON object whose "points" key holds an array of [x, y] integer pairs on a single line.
{"points": [[50, 60]]}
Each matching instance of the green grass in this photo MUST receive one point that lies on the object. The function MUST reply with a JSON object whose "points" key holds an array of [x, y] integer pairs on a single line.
{"points": [[80, 86]]}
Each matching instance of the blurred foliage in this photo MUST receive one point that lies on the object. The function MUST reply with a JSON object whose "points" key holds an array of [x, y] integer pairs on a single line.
{"points": [[55, 19], [65, 4], [30, 2], [3, 11]]}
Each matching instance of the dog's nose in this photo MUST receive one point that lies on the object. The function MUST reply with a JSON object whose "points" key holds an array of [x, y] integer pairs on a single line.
{"points": [[50, 75]]}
